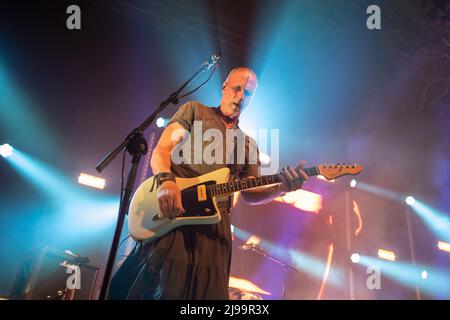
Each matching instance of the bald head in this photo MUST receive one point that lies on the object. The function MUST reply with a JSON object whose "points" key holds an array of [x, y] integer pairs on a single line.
{"points": [[244, 71], [237, 91]]}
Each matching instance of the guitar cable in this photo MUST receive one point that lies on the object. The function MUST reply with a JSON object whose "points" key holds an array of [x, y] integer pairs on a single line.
{"points": [[121, 194]]}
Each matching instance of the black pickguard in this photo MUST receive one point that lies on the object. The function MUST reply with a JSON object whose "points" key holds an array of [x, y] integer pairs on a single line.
{"points": [[195, 208]]}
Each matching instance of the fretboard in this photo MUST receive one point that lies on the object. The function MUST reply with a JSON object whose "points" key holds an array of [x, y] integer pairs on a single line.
{"points": [[248, 183]]}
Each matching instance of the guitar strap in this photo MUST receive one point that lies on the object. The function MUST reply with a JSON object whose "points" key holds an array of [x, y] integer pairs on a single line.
{"points": [[235, 172], [235, 168]]}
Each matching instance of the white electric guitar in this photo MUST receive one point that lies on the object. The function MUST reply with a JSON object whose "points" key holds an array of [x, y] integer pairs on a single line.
{"points": [[146, 222]]}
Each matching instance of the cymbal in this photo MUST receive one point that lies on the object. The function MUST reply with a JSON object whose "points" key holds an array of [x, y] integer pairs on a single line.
{"points": [[246, 285], [237, 294]]}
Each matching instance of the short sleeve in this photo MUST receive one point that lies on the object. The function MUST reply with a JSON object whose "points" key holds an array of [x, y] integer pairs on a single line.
{"points": [[185, 115]]}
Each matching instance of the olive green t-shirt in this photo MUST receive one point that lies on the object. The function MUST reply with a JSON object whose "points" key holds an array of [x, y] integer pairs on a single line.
{"points": [[207, 246], [204, 126]]}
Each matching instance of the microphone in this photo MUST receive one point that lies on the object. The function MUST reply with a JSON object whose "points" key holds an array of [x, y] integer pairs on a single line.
{"points": [[214, 59], [78, 259]]}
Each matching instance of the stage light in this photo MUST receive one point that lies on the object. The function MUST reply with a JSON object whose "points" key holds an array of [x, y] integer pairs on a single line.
{"points": [[91, 181], [327, 271], [75, 212], [386, 255], [437, 279], [6, 150], [358, 215], [355, 258], [297, 259], [162, 122], [424, 275], [320, 177], [253, 240], [310, 264], [303, 200], [444, 246], [382, 192], [45, 178], [437, 221], [330, 219], [410, 200]]}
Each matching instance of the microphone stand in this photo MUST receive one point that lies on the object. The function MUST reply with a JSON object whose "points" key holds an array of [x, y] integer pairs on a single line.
{"points": [[136, 146], [284, 266]]}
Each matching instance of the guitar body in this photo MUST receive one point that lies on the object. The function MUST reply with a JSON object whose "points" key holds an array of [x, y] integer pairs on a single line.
{"points": [[146, 222]]}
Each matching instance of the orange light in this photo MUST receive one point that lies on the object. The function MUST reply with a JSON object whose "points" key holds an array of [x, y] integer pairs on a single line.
{"points": [[444, 246], [358, 215], [386, 255], [327, 271], [303, 200], [330, 219], [321, 177], [253, 240], [91, 181]]}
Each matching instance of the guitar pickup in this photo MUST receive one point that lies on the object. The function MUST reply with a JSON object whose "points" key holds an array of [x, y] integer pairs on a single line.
{"points": [[201, 193]]}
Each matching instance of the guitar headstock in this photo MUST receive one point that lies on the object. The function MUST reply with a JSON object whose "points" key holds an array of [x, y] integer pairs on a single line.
{"points": [[332, 171]]}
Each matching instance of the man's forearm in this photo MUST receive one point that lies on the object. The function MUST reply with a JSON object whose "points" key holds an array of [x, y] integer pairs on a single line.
{"points": [[161, 161], [262, 195], [162, 154]]}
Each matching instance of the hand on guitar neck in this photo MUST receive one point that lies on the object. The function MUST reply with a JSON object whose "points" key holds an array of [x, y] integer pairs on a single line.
{"points": [[292, 179], [287, 180]]}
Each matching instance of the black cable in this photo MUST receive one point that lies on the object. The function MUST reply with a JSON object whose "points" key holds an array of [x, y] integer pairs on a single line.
{"points": [[191, 92], [121, 176], [121, 242], [122, 189]]}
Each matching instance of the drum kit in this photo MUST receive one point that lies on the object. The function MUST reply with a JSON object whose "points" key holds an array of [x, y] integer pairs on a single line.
{"points": [[242, 289]]}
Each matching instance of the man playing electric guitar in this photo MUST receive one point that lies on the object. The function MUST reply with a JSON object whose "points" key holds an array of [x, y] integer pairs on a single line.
{"points": [[193, 261]]}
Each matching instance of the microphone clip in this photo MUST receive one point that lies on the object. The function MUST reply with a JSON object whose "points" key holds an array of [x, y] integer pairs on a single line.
{"points": [[211, 63]]}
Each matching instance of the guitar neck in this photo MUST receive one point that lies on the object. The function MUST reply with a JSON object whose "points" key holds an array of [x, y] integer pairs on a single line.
{"points": [[248, 183]]}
